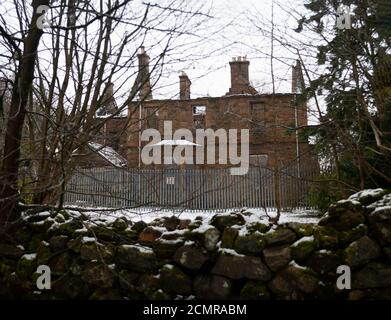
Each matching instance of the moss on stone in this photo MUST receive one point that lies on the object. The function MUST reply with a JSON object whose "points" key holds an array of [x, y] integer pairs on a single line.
{"points": [[43, 253], [119, 225], [159, 295], [347, 237], [255, 291], [258, 227], [303, 249], [26, 266], [326, 237], [173, 280]]}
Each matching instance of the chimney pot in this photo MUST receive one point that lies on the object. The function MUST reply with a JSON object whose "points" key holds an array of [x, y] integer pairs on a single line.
{"points": [[240, 81]]}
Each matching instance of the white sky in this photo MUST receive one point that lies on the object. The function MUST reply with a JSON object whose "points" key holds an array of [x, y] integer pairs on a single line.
{"points": [[239, 37], [233, 31]]}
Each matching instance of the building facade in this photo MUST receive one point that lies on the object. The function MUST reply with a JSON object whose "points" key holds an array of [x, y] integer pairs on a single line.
{"points": [[270, 118]]}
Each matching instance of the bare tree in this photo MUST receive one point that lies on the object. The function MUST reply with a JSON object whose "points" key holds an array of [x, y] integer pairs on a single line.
{"points": [[83, 47]]}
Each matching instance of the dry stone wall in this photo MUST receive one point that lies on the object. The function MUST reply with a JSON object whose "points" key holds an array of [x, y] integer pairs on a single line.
{"points": [[230, 256]]}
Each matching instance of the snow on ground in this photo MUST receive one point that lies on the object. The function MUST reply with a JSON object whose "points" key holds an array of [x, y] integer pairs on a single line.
{"points": [[257, 215]]}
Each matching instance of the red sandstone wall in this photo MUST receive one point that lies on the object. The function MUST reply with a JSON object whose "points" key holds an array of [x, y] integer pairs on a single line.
{"points": [[267, 117]]}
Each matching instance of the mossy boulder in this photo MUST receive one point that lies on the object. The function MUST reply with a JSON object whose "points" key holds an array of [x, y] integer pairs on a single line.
{"points": [[160, 295], [60, 263], [373, 275], [326, 237], [294, 282], [190, 257], [41, 226], [106, 294], [206, 235], [194, 224], [344, 215], [6, 267], [255, 291], [361, 252], [37, 217], [369, 196], [59, 243], [279, 236], [252, 244], [149, 235], [173, 280], [171, 223], [139, 226], [99, 274], [43, 253], [27, 265], [165, 249], [23, 235], [212, 287], [257, 227], [380, 224], [277, 257], [128, 280], [222, 221], [303, 247], [324, 262], [184, 224], [67, 229], [36, 241], [75, 243], [148, 283], [229, 237], [59, 218], [385, 201], [72, 287], [97, 251], [347, 237], [106, 233], [175, 235], [128, 236], [236, 266], [119, 225], [136, 258], [65, 214], [10, 251], [301, 229], [387, 253], [77, 266]]}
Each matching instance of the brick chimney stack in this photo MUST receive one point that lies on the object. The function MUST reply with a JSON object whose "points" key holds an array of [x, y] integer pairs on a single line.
{"points": [[298, 84], [143, 78], [240, 81], [184, 86], [109, 105]]}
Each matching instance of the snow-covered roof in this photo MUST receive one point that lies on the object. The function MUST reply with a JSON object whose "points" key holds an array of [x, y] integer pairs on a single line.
{"points": [[109, 154], [175, 143]]}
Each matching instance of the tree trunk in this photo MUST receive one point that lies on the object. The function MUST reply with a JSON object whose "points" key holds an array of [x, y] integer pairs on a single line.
{"points": [[9, 194]]}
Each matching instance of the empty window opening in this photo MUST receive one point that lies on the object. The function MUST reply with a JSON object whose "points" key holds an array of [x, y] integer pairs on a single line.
{"points": [[199, 114], [199, 110]]}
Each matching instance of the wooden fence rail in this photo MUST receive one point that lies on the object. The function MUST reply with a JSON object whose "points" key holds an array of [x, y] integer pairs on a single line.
{"points": [[189, 188]]}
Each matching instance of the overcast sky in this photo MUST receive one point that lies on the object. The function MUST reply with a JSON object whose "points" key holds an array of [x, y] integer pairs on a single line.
{"points": [[240, 37], [237, 28]]}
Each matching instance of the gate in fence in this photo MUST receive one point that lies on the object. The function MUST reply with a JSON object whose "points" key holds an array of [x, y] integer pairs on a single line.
{"points": [[190, 188]]}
